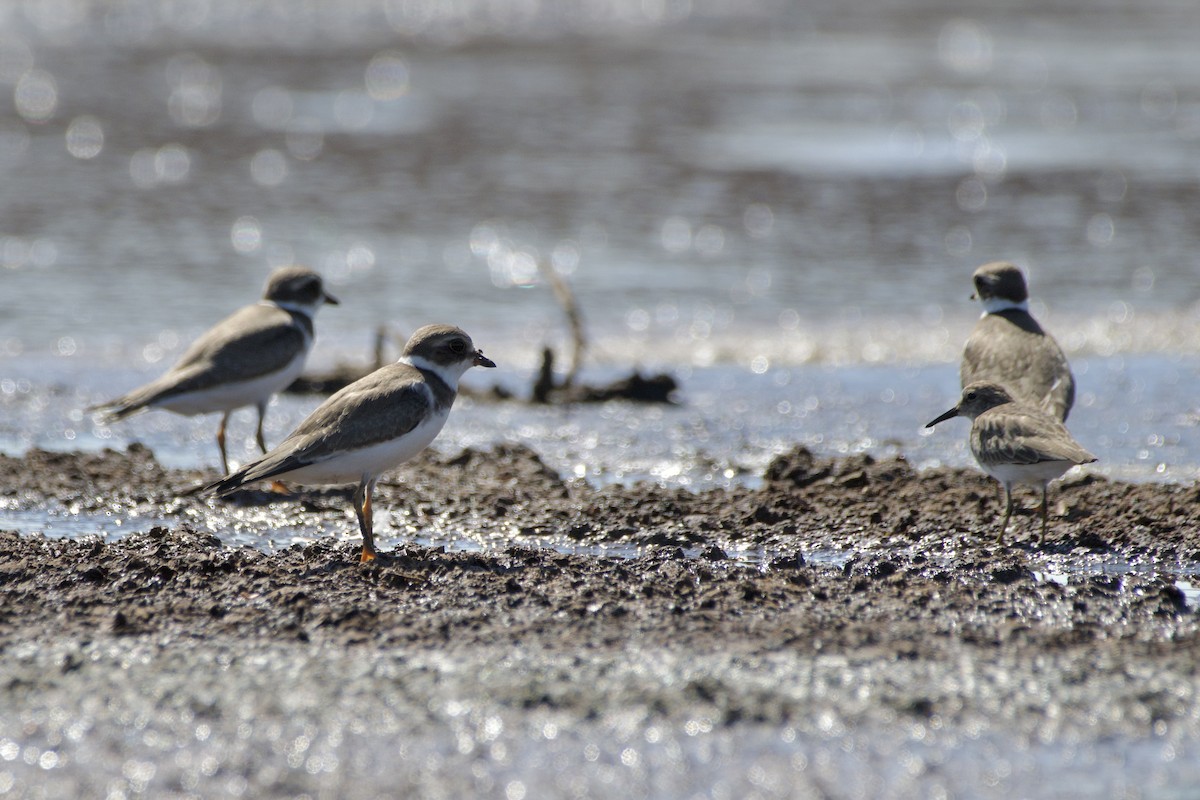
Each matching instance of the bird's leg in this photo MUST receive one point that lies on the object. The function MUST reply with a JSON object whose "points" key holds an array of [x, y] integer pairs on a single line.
{"points": [[258, 433], [221, 442], [278, 487], [362, 508], [1042, 540], [1007, 513]]}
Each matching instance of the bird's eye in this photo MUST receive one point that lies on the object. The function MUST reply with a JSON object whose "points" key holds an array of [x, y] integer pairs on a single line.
{"points": [[970, 395], [457, 345]]}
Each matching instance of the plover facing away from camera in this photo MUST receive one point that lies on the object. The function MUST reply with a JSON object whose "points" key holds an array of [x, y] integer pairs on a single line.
{"points": [[241, 361], [1010, 348], [374, 424], [1015, 442]]}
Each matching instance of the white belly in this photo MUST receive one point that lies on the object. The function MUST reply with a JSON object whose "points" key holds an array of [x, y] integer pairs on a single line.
{"points": [[1036, 474], [235, 395], [368, 463]]}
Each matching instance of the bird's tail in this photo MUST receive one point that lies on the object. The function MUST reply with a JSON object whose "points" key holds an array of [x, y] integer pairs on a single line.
{"points": [[131, 403], [115, 410], [224, 486]]}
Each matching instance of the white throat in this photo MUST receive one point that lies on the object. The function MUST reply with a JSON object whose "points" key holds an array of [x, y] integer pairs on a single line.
{"points": [[450, 373], [994, 305]]}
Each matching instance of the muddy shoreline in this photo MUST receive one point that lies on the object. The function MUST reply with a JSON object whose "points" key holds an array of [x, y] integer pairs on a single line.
{"points": [[924, 621]]}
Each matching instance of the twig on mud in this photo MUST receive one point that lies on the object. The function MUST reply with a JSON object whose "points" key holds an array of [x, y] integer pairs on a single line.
{"points": [[546, 388], [654, 389], [566, 299]]}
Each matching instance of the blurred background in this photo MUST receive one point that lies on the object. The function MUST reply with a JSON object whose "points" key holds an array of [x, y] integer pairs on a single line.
{"points": [[796, 192]]}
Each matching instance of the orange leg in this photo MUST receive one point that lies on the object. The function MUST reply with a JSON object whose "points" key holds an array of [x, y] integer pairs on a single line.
{"points": [[278, 487], [366, 522]]}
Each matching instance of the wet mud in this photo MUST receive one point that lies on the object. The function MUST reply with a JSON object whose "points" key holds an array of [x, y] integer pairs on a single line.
{"points": [[859, 588]]}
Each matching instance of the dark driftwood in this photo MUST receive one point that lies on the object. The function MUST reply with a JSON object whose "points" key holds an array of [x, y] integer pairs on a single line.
{"points": [[546, 388], [656, 388], [640, 388], [643, 389]]}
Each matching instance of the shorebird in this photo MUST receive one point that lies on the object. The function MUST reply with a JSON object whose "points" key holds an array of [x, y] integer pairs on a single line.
{"points": [[1015, 442], [1009, 347], [243, 360], [374, 424]]}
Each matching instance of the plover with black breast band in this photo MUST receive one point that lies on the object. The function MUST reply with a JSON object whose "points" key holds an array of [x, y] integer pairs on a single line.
{"points": [[243, 360], [373, 425], [1009, 347]]}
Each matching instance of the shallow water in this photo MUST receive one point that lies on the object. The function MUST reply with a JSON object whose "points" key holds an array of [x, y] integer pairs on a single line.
{"points": [[729, 423]]}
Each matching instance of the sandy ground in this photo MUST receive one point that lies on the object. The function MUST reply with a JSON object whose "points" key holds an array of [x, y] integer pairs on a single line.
{"points": [[172, 663]]}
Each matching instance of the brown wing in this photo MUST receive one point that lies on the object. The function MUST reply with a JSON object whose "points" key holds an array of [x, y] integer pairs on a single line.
{"points": [[1011, 435], [253, 341], [389, 402]]}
